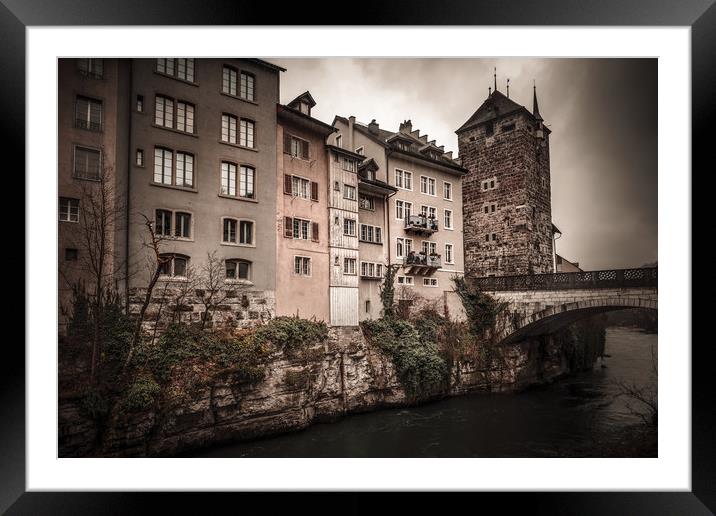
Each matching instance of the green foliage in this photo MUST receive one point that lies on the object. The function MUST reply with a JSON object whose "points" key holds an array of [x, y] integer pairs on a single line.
{"points": [[420, 368], [387, 291], [141, 395], [79, 317], [291, 333], [481, 309], [93, 404]]}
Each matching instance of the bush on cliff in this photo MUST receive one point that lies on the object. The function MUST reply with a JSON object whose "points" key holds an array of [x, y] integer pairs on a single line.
{"points": [[141, 395], [291, 333], [419, 366]]}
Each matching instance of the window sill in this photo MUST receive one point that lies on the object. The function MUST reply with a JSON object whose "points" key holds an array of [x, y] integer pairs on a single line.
{"points": [[307, 160], [369, 242], [94, 179], [238, 146], [236, 97], [174, 279], [174, 187], [172, 130], [245, 282], [237, 198], [169, 238], [229, 244], [190, 83]]}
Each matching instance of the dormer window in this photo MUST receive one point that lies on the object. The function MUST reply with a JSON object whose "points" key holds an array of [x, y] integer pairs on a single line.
{"points": [[305, 108]]}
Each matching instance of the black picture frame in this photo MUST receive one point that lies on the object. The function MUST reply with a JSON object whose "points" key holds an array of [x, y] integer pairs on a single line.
{"points": [[16, 15]]}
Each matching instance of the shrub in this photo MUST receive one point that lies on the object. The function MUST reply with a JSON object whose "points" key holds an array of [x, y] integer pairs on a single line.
{"points": [[141, 395], [290, 333], [93, 404], [481, 309]]}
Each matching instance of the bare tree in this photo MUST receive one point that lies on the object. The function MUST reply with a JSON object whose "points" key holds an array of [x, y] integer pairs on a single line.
{"points": [[211, 283], [642, 400], [184, 289]]}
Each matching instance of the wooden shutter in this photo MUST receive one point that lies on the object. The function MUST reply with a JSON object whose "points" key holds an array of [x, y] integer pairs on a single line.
{"points": [[304, 149], [287, 184], [288, 227], [314, 191], [286, 143], [314, 231]]}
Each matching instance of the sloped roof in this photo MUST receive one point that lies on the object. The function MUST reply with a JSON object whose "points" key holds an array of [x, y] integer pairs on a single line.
{"points": [[306, 97], [495, 106]]}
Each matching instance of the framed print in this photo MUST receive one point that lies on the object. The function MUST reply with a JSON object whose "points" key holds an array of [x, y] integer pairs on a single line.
{"points": [[419, 256]]}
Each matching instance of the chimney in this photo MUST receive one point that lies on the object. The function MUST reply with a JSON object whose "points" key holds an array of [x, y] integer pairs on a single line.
{"points": [[373, 126], [406, 127], [351, 123]]}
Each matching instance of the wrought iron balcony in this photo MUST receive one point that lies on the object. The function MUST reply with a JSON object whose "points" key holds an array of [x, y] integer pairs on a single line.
{"points": [[422, 261], [421, 224]]}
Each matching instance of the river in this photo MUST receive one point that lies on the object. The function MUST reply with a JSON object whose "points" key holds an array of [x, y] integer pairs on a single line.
{"points": [[574, 417]]}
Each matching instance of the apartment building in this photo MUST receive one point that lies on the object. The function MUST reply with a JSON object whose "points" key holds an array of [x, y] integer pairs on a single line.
{"points": [[422, 209], [302, 251]]}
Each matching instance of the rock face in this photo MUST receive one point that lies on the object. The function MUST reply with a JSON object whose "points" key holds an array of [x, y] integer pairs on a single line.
{"points": [[342, 375]]}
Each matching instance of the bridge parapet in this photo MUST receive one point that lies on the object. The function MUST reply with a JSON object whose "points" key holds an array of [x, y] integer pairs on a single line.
{"points": [[615, 278]]}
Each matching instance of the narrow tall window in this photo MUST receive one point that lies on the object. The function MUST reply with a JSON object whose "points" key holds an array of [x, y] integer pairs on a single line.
{"points": [[246, 182], [162, 166], [448, 253], [69, 209], [399, 212], [228, 128], [246, 232], [228, 178], [349, 192], [140, 103], [87, 163], [88, 114], [139, 160], [448, 219], [182, 225], [247, 86], [349, 266], [185, 69], [246, 133], [229, 233], [349, 227], [185, 117], [339, 141], [164, 111], [185, 170], [447, 191], [228, 80], [163, 226]]}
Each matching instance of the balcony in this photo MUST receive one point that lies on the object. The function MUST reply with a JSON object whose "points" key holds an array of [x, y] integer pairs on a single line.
{"points": [[419, 263], [421, 225]]}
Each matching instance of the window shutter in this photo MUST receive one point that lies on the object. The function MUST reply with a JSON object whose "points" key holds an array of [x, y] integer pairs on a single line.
{"points": [[314, 231], [314, 191], [288, 227], [304, 149], [287, 184]]}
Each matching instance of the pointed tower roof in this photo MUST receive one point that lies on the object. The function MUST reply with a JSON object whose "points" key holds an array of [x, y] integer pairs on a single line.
{"points": [[535, 107], [495, 106]]}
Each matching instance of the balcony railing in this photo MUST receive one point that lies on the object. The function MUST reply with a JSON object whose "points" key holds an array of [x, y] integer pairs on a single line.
{"points": [[421, 224], [618, 278], [431, 261]]}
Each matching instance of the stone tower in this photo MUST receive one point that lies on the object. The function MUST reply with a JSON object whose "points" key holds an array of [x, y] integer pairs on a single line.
{"points": [[507, 211]]}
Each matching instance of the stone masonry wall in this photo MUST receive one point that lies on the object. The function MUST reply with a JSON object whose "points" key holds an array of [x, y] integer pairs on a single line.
{"points": [[515, 166]]}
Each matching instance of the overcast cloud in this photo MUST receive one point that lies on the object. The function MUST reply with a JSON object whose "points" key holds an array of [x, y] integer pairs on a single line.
{"points": [[602, 113]]}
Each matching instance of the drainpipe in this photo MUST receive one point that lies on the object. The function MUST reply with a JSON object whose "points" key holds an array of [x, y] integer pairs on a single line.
{"points": [[129, 180]]}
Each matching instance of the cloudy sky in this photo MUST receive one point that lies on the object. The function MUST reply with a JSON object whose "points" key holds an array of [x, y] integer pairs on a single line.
{"points": [[602, 113]]}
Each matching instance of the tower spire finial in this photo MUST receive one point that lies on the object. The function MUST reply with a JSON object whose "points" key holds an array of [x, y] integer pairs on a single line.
{"points": [[494, 75], [535, 107]]}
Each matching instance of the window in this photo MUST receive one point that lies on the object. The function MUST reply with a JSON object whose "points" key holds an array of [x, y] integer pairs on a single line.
{"points": [[403, 209], [248, 83], [508, 128], [349, 227], [228, 128], [429, 247], [185, 69], [403, 247], [238, 269], [229, 79], [372, 234], [70, 254], [367, 306], [430, 282], [69, 209], [139, 158], [164, 111], [339, 141], [246, 133], [228, 178], [247, 176], [371, 270], [165, 66], [447, 191], [490, 236], [173, 265], [88, 114], [369, 174], [185, 117], [246, 232], [427, 185], [366, 202], [490, 208], [163, 163], [405, 280], [87, 163], [302, 265], [403, 179], [349, 266], [163, 226], [91, 67], [349, 192], [347, 164], [296, 147], [140, 103], [304, 108], [337, 186], [300, 228], [184, 170], [300, 187], [449, 254], [229, 235], [448, 219], [488, 184], [182, 225]]}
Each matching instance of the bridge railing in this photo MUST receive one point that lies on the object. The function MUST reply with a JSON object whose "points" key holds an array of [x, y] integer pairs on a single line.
{"points": [[616, 278]]}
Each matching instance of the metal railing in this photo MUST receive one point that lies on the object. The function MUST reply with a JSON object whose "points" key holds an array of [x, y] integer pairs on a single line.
{"points": [[421, 222], [616, 278], [422, 259]]}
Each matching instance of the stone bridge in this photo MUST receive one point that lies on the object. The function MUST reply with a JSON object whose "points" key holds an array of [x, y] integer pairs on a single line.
{"points": [[539, 304]]}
